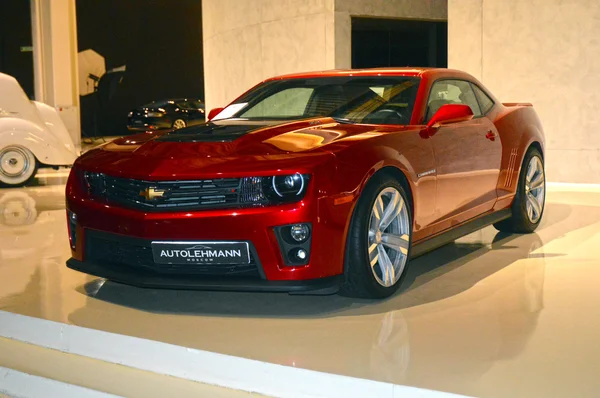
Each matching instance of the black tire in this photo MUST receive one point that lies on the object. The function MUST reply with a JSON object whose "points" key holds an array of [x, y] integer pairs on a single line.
{"points": [[519, 221], [359, 279]]}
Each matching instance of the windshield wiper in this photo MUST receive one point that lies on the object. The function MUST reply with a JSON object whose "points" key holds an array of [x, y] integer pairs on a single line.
{"points": [[342, 120]]}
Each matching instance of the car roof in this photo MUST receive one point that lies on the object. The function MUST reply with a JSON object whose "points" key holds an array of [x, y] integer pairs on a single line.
{"points": [[406, 71]]}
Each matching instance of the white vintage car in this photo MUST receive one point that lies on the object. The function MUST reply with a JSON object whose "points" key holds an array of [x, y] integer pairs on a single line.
{"points": [[32, 135]]}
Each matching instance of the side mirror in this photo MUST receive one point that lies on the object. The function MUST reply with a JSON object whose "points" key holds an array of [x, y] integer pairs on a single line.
{"points": [[450, 113], [214, 112]]}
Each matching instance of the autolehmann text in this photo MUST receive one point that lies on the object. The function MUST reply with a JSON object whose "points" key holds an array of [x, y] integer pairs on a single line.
{"points": [[200, 253]]}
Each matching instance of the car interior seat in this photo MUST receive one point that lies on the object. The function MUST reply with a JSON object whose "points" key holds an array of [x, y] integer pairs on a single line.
{"points": [[435, 106], [326, 100]]}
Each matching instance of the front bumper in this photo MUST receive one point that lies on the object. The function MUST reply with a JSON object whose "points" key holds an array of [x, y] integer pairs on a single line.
{"points": [[147, 279], [253, 225]]}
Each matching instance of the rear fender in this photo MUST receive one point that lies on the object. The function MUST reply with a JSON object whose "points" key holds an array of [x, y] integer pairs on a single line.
{"points": [[531, 135], [44, 146], [522, 127], [55, 125]]}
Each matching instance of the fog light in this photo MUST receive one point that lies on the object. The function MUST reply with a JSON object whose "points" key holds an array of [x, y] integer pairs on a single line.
{"points": [[298, 256], [299, 233], [301, 254], [294, 242], [72, 227]]}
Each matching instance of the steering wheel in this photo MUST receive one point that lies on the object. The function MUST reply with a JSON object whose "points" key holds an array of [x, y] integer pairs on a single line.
{"points": [[386, 116]]}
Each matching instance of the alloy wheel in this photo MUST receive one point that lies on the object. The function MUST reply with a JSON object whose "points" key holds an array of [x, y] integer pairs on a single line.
{"points": [[178, 124], [388, 238], [535, 189]]}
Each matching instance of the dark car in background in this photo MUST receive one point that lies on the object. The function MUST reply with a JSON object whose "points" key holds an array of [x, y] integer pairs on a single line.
{"points": [[166, 114]]}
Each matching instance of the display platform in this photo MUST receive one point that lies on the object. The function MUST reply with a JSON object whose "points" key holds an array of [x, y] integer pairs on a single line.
{"points": [[27, 370], [490, 315]]}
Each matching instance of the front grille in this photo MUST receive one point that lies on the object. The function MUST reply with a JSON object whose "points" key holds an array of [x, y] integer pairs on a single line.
{"points": [[105, 248], [164, 195]]}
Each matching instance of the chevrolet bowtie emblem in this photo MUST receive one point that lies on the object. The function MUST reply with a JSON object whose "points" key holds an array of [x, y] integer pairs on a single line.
{"points": [[152, 193]]}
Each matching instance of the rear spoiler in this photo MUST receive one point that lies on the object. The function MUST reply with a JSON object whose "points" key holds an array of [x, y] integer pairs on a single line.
{"points": [[510, 104]]}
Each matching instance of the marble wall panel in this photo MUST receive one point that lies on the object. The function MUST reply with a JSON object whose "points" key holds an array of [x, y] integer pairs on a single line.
{"points": [[246, 42], [546, 52]]}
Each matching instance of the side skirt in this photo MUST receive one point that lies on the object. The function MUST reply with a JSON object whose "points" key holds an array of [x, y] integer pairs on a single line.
{"points": [[463, 229]]}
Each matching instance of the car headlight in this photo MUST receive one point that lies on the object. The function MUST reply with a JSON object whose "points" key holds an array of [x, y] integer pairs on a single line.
{"points": [[285, 186], [276, 189], [155, 114], [130, 114]]}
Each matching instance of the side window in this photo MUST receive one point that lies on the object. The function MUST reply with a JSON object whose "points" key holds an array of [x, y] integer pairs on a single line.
{"points": [[286, 103], [486, 102], [451, 92]]}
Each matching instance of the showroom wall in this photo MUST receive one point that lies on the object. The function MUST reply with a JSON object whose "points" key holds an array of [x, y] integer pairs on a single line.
{"points": [[546, 52], [246, 42]]}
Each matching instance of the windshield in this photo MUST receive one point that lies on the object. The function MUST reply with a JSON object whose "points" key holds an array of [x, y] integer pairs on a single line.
{"points": [[369, 100]]}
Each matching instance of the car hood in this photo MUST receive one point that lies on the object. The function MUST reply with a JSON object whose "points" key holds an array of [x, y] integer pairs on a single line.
{"points": [[228, 147]]}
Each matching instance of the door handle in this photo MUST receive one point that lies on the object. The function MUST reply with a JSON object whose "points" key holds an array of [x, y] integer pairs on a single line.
{"points": [[490, 135]]}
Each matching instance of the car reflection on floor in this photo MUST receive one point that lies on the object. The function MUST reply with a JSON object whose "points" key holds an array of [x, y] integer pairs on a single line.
{"points": [[462, 309], [28, 215], [349, 332], [466, 312], [32, 239]]}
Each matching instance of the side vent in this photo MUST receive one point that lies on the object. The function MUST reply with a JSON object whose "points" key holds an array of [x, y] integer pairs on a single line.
{"points": [[510, 172]]}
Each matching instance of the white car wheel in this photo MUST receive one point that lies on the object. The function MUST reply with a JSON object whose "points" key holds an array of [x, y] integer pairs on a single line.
{"points": [[17, 165], [17, 209]]}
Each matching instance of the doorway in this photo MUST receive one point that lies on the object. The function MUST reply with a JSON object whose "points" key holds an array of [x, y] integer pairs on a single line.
{"points": [[378, 42], [16, 43], [134, 52]]}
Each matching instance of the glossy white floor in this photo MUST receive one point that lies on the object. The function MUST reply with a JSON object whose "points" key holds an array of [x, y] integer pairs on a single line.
{"points": [[491, 315]]}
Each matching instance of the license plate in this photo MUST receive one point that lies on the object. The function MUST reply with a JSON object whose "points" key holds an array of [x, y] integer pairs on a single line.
{"points": [[201, 252]]}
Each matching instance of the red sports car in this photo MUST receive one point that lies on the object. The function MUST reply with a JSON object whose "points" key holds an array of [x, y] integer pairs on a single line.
{"points": [[314, 182]]}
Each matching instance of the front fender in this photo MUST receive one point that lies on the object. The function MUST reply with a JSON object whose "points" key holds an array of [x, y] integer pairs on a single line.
{"points": [[405, 152], [357, 170]]}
